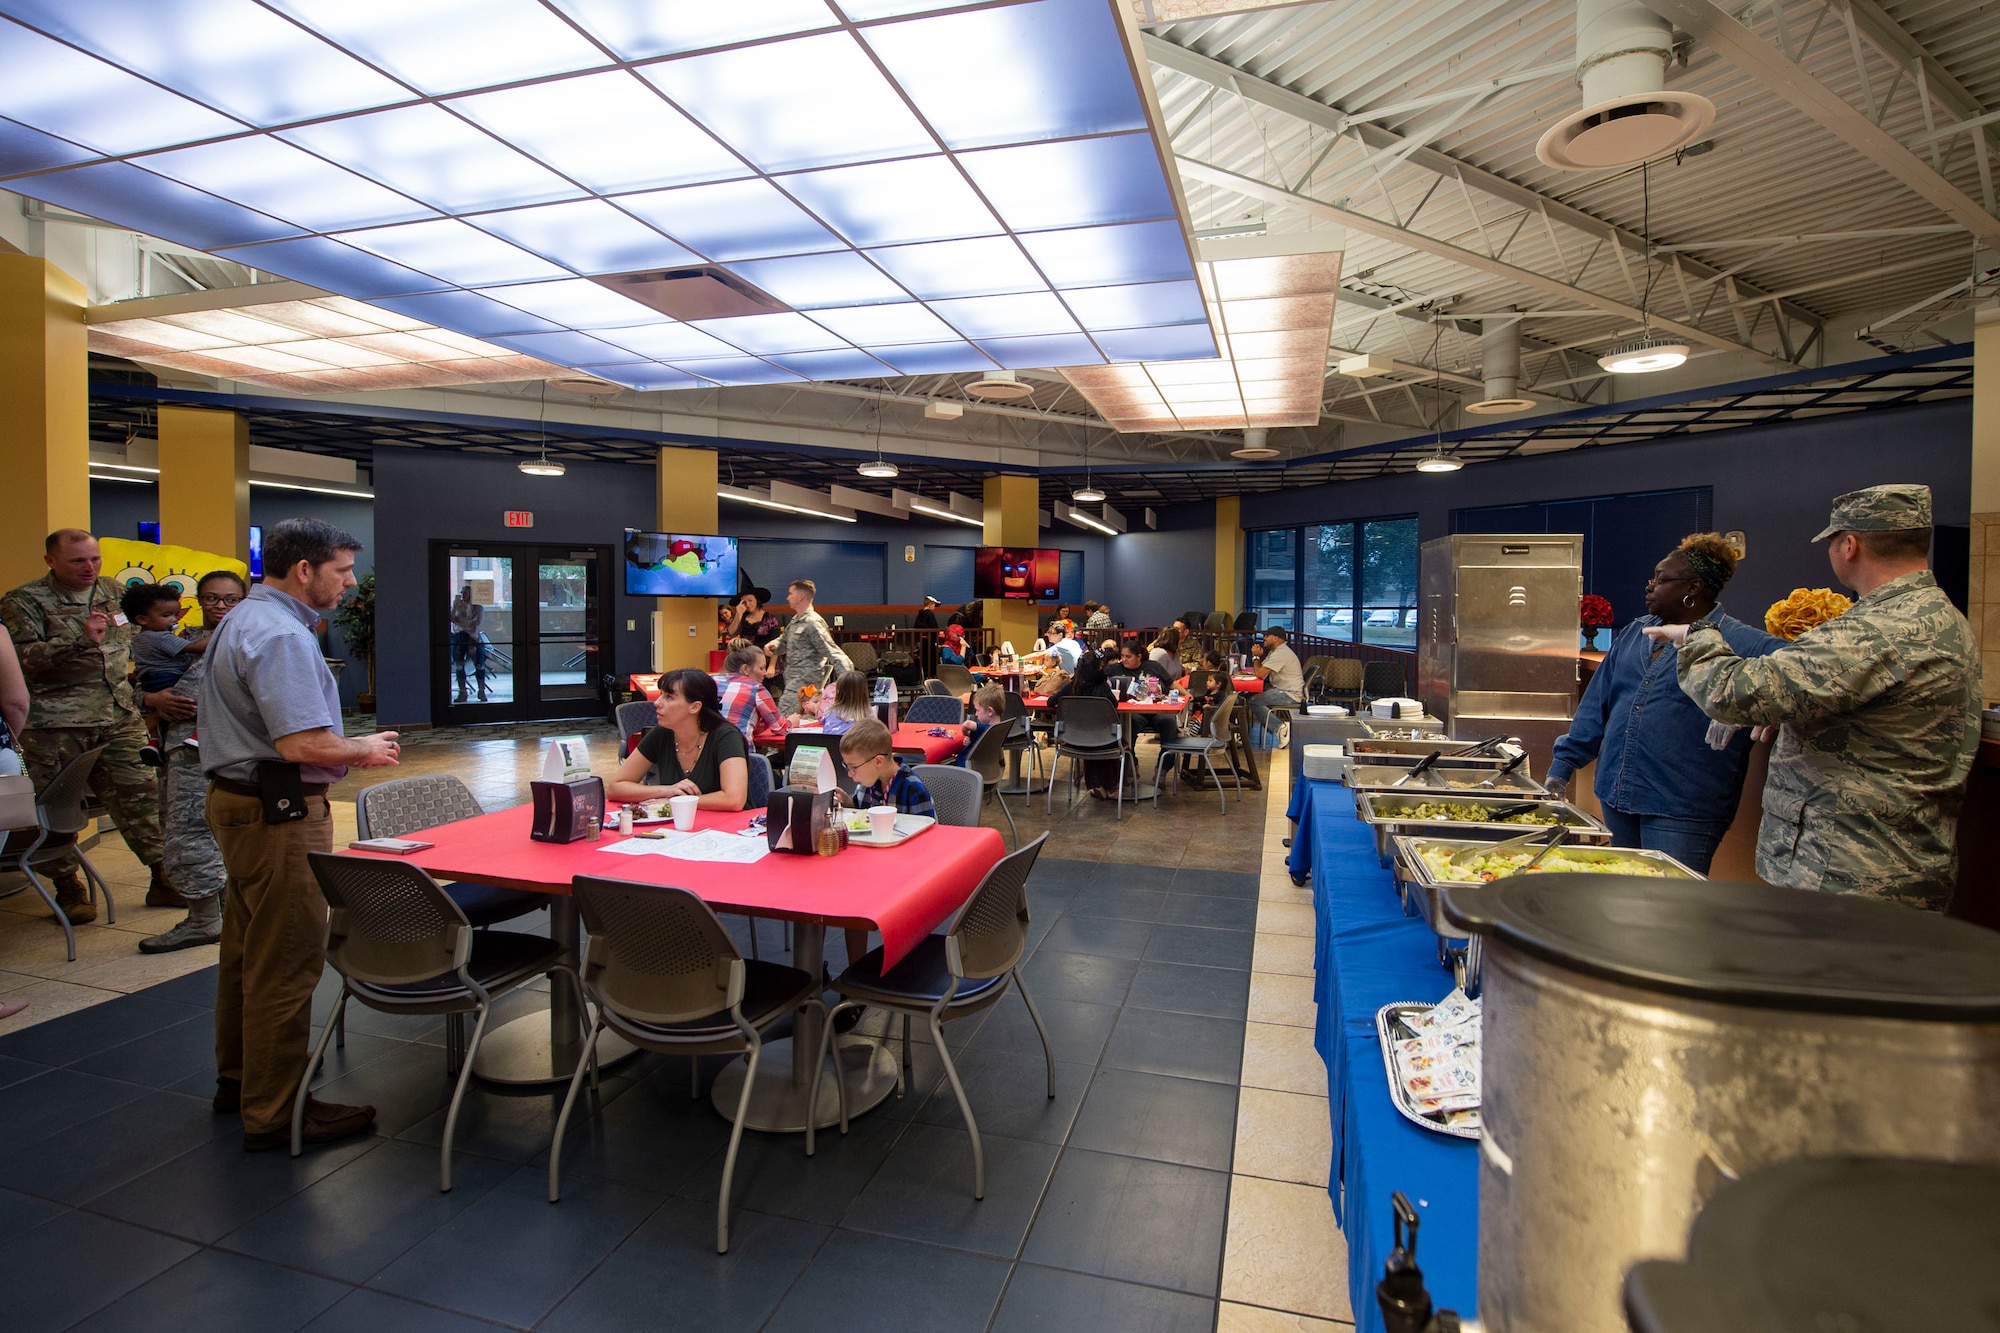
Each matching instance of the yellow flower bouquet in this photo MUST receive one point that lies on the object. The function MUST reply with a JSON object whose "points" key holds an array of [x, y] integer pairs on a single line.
{"points": [[1805, 608]]}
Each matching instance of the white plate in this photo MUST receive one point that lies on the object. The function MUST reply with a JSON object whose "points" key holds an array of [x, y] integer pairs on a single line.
{"points": [[907, 827]]}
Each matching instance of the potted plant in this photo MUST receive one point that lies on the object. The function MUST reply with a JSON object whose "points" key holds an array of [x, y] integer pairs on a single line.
{"points": [[1595, 615], [355, 617]]}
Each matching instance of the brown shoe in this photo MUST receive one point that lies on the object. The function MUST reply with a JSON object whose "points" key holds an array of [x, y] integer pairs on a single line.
{"points": [[162, 894], [228, 1095], [73, 899], [325, 1122]]}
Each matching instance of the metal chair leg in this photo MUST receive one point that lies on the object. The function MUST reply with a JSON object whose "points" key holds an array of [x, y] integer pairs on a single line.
{"points": [[458, 1097], [103, 889], [340, 1028], [583, 1020], [905, 1076], [964, 1109], [69, 931], [562, 1121], [1216, 778], [827, 1045], [300, 1098], [1048, 1052], [736, 1138]]}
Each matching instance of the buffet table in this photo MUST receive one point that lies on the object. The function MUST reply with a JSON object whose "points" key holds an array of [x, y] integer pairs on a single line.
{"points": [[1368, 954]]}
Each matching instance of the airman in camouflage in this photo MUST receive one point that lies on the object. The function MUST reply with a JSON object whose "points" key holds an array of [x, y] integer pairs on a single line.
{"points": [[1878, 711], [75, 650], [811, 655]]}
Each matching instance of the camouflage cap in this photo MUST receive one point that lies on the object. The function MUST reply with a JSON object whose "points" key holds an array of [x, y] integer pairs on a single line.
{"points": [[1879, 509]]}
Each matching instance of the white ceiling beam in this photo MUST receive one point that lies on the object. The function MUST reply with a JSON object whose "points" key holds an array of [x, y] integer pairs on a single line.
{"points": [[1297, 105], [1252, 188], [1743, 48]]}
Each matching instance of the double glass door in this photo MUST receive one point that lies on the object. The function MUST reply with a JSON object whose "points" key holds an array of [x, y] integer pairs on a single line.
{"points": [[518, 632]]}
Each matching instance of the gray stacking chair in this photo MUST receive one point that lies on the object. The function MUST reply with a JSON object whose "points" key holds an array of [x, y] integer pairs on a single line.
{"points": [[1022, 738], [1214, 736], [862, 655], [402, 946], [633, 718], [60, 816], [956, 679], [989, 760], [956, 792], [963, 971], [934, 710], [407, 805], [1087, 728], [666, 977]]}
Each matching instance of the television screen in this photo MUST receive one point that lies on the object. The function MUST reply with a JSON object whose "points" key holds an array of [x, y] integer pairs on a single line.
{"points": [[1018, 573], [149, 532], [677, 564], [257, 552]]}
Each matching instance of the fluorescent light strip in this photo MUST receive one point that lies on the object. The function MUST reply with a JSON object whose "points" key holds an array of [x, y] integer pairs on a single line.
{"points": [[1079, 516], [130, 481], [126, 467], [749, 499], [317, 490], [946, 513]]}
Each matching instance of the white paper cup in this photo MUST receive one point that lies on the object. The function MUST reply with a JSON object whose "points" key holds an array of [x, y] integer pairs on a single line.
{"points": [[881, 820], [682, 808]]}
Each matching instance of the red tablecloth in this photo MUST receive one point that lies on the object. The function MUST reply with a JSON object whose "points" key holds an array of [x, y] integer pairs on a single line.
{"points": [[647, 684], [937, 749], [1124, 705], [1248, 684], [904, 892]]}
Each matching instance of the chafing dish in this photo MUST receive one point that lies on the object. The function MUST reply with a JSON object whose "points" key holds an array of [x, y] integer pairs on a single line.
{"points": [[1389, 813], [1451, 754], [1378, 777]]}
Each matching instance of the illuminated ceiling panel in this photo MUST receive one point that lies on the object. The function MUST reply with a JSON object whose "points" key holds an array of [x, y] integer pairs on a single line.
{"points": [[1272, 299], [989, 179], [302, 342]]}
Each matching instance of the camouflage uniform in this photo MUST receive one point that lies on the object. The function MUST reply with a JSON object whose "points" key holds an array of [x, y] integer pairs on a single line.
{"points": [[79, 699], [194, 862], [1879, 710], [811, 657]]}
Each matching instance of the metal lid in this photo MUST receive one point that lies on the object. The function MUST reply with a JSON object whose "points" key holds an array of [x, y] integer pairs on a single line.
{"points": [[1747, 944], [1873, 1243]]}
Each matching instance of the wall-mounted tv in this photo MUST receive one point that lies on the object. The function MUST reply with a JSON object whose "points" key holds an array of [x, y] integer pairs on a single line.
{"points": [[679, 564], [257, 552], [1017, 573]]}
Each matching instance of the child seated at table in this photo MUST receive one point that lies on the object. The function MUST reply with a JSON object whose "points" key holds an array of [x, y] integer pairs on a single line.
{"points": [[878, 775], [853, 703], [989, 707], [1217, 685]]}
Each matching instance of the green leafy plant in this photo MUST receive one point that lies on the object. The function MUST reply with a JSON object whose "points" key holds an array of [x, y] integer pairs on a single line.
{"points": [[355, 617]]}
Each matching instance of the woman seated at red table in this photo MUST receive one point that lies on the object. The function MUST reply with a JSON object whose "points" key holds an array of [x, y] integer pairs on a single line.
{"points": [[697, 751]]}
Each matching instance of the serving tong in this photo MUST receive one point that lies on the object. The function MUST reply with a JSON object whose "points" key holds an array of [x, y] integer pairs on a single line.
{"points": [[1502, 771], [1555, 837], [1423, 765]]}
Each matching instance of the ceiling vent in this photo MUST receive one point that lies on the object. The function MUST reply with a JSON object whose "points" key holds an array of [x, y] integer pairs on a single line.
{"points": [[586, 384], [1628, 116], [1254, 445], [704, 292], [1500, 367], [999, 386]]}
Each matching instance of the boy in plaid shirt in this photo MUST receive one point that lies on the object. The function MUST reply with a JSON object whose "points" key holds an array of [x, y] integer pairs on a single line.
{"points": [[879, 777]]}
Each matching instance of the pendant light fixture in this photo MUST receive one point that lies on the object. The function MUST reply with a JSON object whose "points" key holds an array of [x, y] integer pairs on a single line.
{"points": [[1645, 354], [1438, 460], [1089, 495], [878, 467], [543, 466]]}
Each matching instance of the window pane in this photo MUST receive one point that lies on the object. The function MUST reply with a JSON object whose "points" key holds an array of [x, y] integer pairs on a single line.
{"points": [[1273, 575], [1330, 580], [1389, 582]]}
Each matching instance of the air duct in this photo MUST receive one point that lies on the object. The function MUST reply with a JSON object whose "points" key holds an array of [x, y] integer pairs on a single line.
{"points": [[1628, 116], [1500, 367], [1255, 445]]}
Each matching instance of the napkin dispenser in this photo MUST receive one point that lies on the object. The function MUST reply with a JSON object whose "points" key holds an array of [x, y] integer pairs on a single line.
{"points": [[565, 811], [793, 817]]}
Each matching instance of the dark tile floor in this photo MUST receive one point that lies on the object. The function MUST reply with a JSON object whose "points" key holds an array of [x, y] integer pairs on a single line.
{"points": [[124, 1203]]}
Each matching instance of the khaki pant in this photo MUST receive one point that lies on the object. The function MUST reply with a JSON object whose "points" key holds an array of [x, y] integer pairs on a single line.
{"points": [[273, 950], [121, 781]]}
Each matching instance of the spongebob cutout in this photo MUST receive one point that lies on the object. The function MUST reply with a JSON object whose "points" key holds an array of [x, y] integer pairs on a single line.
{"points": [[127, 563]]}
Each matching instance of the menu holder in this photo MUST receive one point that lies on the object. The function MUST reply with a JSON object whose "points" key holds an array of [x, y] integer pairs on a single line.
{"points": [[565, 811], [565, 757], [811, 768], [793, 818]]}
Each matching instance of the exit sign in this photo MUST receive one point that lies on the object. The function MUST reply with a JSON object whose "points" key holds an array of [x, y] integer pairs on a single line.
{"points": [[520, 518]]}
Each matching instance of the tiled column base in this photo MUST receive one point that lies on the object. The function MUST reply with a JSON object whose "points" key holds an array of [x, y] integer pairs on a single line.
{"points": [[1285, 1262]]}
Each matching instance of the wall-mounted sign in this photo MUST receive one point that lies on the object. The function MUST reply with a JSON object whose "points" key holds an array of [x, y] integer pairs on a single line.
{"points": [[520, 518], [909, 555]]}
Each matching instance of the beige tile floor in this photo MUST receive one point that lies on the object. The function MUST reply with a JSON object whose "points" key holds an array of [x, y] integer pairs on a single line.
{"points": [[1284, 1266]]}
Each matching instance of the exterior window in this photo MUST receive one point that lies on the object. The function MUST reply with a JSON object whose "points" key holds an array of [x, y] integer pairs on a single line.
{"points": [[1354, 580]]}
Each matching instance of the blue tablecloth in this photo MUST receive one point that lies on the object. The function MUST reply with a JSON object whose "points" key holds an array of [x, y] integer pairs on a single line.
{"points": [[1368, 954]]}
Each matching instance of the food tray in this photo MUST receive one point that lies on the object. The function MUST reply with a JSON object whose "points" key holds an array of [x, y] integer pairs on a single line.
{"points": [[1403, 754], [1380, 777], [1390, 1028], [1388, 813], [1403, 729], [1411, 870], [907, 827]]}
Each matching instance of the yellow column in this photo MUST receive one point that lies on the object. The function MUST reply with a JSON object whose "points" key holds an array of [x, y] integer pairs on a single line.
{"points": [[1983, 587], [205, 480], [44, 411], [1013, 506], [1229, 554], [686, 503]]}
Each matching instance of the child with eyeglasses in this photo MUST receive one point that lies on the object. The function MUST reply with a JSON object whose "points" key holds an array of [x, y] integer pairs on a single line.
{"points": [[879, 777]]}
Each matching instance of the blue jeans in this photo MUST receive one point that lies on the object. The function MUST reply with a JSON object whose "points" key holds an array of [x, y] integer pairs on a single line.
{"points": [[1262, 704], [1692, 842]]}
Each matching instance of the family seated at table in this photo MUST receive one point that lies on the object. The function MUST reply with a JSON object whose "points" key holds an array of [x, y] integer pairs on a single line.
{"points": [[697, 750]]}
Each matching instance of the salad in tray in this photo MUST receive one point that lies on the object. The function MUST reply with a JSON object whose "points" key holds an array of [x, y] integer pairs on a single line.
{"points": [[1499, 864], [1475, 814]]}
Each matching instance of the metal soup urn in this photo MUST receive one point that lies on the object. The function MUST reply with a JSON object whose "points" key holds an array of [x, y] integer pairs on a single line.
{"points": [[1646, 1041]]}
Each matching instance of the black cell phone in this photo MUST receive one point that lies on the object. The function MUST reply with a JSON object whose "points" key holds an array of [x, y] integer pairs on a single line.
{"points": [[283, 794]]}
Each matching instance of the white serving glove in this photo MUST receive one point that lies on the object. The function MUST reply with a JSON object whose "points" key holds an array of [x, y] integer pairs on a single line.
{"points": [[1673, 634], [1720, 734]]}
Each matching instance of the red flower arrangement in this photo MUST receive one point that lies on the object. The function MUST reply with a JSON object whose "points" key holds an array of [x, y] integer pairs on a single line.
{"points": [[1594, 612]]}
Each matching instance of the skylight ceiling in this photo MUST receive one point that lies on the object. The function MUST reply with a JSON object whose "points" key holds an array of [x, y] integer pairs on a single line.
{"points": [[927, 191]]}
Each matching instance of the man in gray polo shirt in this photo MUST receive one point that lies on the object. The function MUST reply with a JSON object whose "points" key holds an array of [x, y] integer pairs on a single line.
{"points": [[271, 745]]}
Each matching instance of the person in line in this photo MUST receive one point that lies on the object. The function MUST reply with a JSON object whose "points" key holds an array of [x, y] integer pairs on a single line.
{"points": [[1166, 651], [750, 617], [1877, 713], [160, 655], [744, 701], [811, 655], [467, 644], [989, 709], [75, 649], [853, 703], [1660, 784], [697, 751], [1284, 681], [194, 862], [1134, 665], [271, 746], [952, 649]]}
